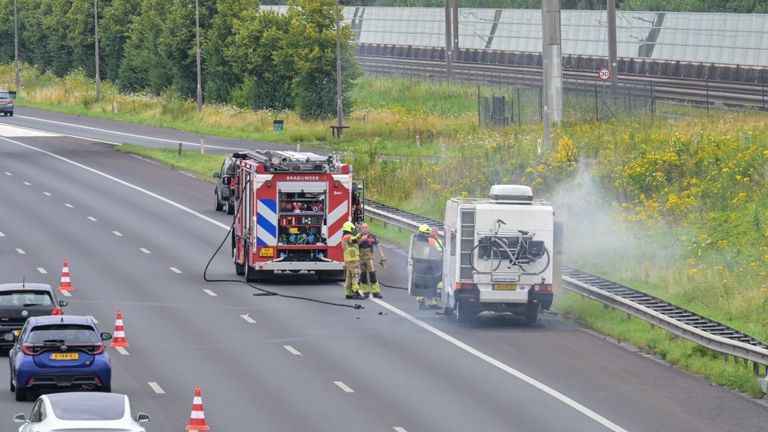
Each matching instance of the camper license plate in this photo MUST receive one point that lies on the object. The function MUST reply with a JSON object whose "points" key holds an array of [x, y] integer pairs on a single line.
{"points": [[505, 287], [65, 356]]}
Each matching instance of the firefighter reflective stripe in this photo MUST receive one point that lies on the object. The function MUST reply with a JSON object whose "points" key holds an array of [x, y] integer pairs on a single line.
{"points": [[266, 222], [351, 251], [336, 219], [436, 243]]}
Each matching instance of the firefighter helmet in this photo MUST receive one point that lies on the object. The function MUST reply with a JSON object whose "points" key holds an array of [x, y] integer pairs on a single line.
{"points": [[348, 226], [424, 229]]}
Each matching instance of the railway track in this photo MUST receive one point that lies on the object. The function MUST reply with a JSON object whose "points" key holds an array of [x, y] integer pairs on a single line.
{"points": [[698, 92], [680, 321]]}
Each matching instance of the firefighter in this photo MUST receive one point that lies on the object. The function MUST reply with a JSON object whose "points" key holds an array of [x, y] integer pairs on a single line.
{"points": [[433, 238], [349, 243], [368, 281]]}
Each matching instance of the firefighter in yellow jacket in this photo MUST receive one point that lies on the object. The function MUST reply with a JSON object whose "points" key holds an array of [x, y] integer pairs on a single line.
{"points": [[349, 243], [368, 281]]}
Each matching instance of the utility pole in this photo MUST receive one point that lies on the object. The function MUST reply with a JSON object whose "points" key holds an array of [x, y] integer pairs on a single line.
{"points": [[96, 39], [17, 82], [455, 27], [612, 61], [553, 67], [339, 94], [448, 42], [197, 43]]}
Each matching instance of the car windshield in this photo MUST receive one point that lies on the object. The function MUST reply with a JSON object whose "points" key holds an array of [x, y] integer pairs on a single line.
{"points": [[4, 95], [25, 298], [88, 406], [64, 334]]}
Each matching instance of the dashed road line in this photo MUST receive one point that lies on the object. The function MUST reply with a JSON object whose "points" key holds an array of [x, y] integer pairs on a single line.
{"points": [[292, 350], [2, 235], [69, 205], [156, 387], [399, 429], [122, 350], [27, 183], [145, 250], [248, 319], [344, 387], [92, 219], [117, 233], [8, 174], [65, 293], [47, 193], [42, 270], [210, 293], [175, 270], [20, 251]]}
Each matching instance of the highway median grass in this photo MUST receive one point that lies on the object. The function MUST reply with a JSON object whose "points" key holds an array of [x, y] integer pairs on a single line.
{"points": [[686, 201]]}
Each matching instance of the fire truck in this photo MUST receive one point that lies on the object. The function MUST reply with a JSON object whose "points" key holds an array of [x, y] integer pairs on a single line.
{"points": [[290, 208]]}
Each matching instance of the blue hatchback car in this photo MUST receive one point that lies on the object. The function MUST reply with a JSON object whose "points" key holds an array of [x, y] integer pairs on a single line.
{"points": [[62, 352]]}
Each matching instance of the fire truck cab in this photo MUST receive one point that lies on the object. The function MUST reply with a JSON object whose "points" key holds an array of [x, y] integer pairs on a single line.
{"points": [[290, 208]]}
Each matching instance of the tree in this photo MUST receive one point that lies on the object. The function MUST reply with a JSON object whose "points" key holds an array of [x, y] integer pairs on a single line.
{"points": [[144, 66], [80, 42], [113, 34]]}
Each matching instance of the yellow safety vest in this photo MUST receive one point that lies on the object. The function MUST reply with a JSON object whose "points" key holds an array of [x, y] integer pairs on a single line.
{"points": [[349, 244]]}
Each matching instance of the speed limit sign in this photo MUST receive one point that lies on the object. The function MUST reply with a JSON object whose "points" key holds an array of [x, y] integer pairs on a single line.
{"points": [[604, 74]]}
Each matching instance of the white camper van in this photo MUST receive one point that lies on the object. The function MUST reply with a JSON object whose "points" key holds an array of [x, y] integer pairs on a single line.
{"points": [[497, 256]]}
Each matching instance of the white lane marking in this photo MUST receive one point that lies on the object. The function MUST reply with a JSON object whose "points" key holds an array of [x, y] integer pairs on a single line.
{"points": [[69, 205], [19, 132], [28, 183], [399, 429], [344, 387], [156, 387], [248, 319], [546, 389], [117, 233], [145, 250], [65, 293], [210, 293], [47, 193], [188, 174], [292, 350], [175, 142], [8, 174], [122, 182], [2, 235], [514, 372], [42, 270], [20, 251], [122, 350], [175, 270], [91, 218], [93, 318]]}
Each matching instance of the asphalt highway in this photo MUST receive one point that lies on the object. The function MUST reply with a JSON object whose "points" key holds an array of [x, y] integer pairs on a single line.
{"points": [[137, 237]]}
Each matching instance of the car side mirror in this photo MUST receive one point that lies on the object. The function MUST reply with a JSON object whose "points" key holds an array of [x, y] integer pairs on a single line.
{"points": [[9, 337], [105, 336], [216, 174], [142, 418], [63, 303], [20, 418]]}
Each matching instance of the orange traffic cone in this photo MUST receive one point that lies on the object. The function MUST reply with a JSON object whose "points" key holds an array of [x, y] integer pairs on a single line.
{"points": [[197, 418], [66, 282], [119, 337]]}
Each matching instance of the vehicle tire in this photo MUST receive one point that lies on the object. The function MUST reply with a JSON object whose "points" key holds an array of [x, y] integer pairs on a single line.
{"points": [[21, 395], [218, 204], [230, 208], [465, 312], [331, 275], [106, 389], [11, 386], [531, 313], [11, 114]]}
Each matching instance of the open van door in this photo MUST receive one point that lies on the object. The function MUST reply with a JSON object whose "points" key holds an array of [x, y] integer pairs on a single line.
{"points": [[425, 267]]}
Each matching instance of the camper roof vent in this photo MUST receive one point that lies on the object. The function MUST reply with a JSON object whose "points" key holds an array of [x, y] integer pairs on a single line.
{"points": [[511, 193]]}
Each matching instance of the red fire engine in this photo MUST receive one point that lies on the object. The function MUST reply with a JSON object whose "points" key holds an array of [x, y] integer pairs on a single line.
{"points": [[290, 210]]}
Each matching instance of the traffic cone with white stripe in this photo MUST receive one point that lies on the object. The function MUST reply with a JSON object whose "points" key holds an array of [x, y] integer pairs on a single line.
{"points": [[119, 338], [66, 283], [197, 418]]}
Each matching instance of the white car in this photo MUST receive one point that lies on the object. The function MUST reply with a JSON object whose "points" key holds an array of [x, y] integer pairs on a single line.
{"points": [[86, 412]]}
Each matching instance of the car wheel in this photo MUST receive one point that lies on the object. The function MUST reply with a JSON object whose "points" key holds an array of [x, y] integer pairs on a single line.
{"points": [[11, 386], [218, 204], [11, 114], [106, 389], [21, 394], [230, 208]]}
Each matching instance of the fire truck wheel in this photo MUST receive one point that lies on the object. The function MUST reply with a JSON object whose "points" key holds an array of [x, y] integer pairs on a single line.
{"points": [[331, 276], [218, 205]]}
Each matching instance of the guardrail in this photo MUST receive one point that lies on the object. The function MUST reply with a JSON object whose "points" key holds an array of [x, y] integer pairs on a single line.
{"points": [[681, 322]]}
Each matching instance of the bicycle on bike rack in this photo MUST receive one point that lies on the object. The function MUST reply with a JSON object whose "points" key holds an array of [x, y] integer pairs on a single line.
{"points": [[515, 249]]}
